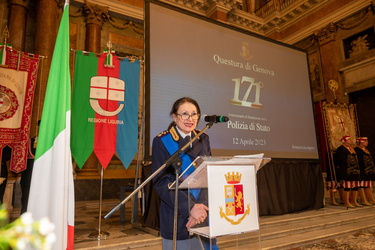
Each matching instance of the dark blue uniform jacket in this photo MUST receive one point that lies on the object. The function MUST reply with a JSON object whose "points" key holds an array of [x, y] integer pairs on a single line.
{"points": [[200, 147]]}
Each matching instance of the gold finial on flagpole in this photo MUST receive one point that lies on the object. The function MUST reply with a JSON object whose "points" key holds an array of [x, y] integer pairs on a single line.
{"points": [[4, 48], [109, 45], [6, 35], [108, 63]]}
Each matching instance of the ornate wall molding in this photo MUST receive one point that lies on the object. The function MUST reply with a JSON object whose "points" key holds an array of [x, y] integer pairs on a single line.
{"points": [[329, 32], [137, 29], [335, 17], [326, 34], [359, 75], [279, 19], [117, 7], [361, 18], [95, 14], [220, 6]]}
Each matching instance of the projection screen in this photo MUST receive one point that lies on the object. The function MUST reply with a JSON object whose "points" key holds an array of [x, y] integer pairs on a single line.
{"points": [[261, 85]]}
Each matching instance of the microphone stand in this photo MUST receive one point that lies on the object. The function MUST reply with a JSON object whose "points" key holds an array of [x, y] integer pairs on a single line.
{"points": [[175, 161]]}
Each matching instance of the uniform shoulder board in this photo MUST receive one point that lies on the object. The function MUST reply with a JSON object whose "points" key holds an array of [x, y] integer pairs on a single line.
{"points": [[197, 131], [163, 133], [171, 131], [174, 133]]}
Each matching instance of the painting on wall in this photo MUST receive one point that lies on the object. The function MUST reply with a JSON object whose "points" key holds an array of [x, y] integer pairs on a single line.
{"points": [[316, 77]]}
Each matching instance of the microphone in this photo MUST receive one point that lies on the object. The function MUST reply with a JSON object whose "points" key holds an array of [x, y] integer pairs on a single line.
{"points": [[214, 118]]}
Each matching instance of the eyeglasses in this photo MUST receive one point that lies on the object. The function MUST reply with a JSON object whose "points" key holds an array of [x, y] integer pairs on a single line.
{"points": [[186, 116]]}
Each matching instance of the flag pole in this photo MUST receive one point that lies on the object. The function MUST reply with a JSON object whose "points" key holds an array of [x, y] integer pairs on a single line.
{"points": [[134, 218], [100, 234], [52, 186]]}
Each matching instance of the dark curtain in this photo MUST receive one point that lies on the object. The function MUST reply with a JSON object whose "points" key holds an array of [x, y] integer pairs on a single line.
{"points": [[322, 137], [150, 216], [5, 156], [287, 186], [364, 100]]}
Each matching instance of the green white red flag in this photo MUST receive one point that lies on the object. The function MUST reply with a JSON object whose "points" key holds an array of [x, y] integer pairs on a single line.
{"points": [[52, 187], [105, 108]]}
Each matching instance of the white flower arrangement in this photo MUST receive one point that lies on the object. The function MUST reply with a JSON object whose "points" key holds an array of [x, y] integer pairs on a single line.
{"points": [[24, 232]]}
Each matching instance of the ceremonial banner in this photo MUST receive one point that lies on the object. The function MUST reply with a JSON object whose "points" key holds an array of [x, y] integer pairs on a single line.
{"points": [[104, 108], [52, 188], [339, 121], [17, 84]]}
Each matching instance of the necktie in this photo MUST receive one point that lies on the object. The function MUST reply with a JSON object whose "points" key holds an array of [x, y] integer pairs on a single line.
{"points": [[187, 139]]}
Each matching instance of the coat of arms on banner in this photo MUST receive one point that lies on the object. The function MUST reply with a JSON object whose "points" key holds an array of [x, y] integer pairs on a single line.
{"points": [[106, 88], [8, 103], [234, 199], [339, 120]]}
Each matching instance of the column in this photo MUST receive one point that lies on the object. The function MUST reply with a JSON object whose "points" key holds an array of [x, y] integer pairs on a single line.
{"points": [[95, 17], [47, 18], [334, 85], [17, 20]]}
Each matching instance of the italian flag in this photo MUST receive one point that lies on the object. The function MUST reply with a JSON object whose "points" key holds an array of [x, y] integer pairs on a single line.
{"points": [[52, 188], [4, 53]]}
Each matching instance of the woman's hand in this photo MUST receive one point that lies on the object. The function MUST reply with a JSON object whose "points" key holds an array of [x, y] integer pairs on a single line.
{"points": [[197, 215]]}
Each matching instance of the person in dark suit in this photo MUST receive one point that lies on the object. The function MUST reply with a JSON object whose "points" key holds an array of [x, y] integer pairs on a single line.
{"points": [[367, 166], [185, 113], [349, 172], [5, 157], [27, 173]]}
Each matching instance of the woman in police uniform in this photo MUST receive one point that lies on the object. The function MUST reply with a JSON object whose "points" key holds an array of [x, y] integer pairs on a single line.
{"points": [[185, 113]]}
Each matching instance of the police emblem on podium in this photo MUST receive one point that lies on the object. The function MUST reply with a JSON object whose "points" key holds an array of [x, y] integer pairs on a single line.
{"points": [[234, 199]]}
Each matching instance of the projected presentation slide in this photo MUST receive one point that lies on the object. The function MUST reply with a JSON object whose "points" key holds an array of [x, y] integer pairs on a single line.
{"points": [[261, 86]]}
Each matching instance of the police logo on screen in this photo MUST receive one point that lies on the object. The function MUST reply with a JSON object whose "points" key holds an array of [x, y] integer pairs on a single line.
{"points": [[245, 51]]}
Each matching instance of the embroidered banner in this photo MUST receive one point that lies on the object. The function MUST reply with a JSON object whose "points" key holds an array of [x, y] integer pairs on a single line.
{"points": [[339, 120], [104, 109], [17, 84]]}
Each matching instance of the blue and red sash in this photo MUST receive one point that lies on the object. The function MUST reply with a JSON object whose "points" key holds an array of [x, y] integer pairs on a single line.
{"points": [[172, 147]]}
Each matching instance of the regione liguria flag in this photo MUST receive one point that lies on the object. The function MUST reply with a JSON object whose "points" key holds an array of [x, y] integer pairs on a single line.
{"points": [[52, 187], [105, 108]]}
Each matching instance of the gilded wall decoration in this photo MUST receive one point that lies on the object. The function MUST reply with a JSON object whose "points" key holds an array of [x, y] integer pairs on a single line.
{"points": [[359, 43]]}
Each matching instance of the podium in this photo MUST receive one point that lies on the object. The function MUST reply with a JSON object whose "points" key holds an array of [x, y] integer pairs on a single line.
{"points": [[227, 185]]}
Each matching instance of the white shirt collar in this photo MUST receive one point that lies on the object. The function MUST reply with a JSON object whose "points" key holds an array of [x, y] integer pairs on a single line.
{"points": [[183, 135]]}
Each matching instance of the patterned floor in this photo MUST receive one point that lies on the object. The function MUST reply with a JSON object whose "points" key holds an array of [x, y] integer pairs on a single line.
{"points": [[86, 224], [363, 240], [112, 230]]}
